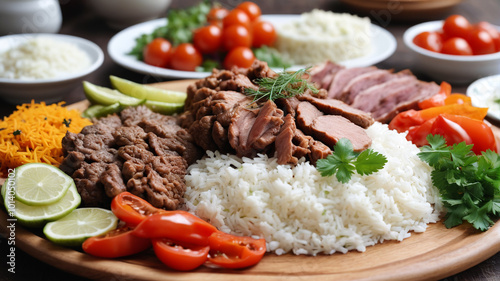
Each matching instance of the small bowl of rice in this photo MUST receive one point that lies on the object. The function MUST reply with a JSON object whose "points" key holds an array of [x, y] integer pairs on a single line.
{"points": [[44, 67]]}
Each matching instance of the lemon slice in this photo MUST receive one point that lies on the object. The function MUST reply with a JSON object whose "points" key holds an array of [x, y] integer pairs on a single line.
{"points": [[40, 184], [151, 93], [37, 216], [79, 225], [106, 96]]}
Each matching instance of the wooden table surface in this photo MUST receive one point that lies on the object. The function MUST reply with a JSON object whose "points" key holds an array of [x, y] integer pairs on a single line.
{"points": [[80, 21]]}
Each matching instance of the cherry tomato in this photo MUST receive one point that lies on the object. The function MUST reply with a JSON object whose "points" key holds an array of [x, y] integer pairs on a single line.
{"points": [[428, 40], [236, 17], [263, 33], [157, 52], [207, 39], [179, 226], [418, 134], [437, 99], [180, 256], [456, 46], [236, 36], [481, 42], [114, 244], [480, 133], [452, 132], [241, 57], [185, 57], [230, 251], [495, 35], [406, 120], [456, 26], [251, 9], [216, 15], [132, 209]]}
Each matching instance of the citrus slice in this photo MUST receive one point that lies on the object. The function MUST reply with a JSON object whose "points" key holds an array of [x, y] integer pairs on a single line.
{"points": [[79, 225], [106, 96], [141, 91], [37, 216], [164, 107], [40, 184]]}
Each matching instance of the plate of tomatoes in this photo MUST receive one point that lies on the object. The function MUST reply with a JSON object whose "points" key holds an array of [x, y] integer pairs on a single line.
{"points": [[223, 46]]}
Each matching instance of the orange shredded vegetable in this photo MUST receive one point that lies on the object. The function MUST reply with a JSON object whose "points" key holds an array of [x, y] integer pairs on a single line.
{"points": [[33, 133]]}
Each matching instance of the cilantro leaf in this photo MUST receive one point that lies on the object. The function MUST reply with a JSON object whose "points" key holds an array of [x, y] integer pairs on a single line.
{"points": [[344, 161]]}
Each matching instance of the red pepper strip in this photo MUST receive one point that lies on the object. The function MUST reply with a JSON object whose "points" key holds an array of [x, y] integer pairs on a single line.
{"points": [[180, 256], [117, 243], [438, 99], [180, 226], [230, 251]]}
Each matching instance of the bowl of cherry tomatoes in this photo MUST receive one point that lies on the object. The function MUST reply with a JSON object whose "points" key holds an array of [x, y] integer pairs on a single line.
{"points": [[455, 50]]}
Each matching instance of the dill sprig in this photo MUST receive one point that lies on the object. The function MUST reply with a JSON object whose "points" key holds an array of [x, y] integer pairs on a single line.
{"points": [[284, 85]]}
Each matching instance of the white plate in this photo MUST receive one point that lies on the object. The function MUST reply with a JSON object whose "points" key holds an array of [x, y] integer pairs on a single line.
{"points": [[484, 92], [384, 45]]}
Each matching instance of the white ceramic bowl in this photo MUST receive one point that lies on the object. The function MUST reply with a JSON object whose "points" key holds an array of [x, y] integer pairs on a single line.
{"points": [[50, 90], [450, 68], [484, 93], [119, 14]]}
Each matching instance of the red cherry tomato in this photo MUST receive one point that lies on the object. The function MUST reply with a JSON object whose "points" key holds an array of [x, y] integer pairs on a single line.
{"points": [[185, 57], [456, 46], [216, 15], [236, 36], [437, 99], [456, 26], [495, 35], [207, 39], [452, 132], [117, 243], [132, 209], [428, 40], [180, 256], [230, 251], [251, 9], [481, 42], [179, 226], [157, 52], [418, 134], [236, 17], [263, 33], [241, 57]]}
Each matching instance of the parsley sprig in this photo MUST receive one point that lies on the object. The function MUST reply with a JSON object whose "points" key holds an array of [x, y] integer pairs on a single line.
{"points": [[469, 184], [344, 161], [284, 85]]}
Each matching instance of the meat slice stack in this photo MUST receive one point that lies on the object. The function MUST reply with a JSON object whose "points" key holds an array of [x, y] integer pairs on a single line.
{"points": [[381, 92], [222, 117]]}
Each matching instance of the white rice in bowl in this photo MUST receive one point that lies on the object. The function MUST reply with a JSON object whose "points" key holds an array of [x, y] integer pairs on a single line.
{"points": [[296, 210]]}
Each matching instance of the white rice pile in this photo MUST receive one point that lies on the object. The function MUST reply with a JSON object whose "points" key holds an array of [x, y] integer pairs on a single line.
{"points": [[41, 58], [295, 209], [323, 35]]}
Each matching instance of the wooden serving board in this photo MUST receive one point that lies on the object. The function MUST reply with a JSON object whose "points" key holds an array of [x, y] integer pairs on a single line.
{"points": [[434, 254]]}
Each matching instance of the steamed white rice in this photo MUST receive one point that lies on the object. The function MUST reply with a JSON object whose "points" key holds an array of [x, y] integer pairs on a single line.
{"points": [[296, 210], [42, 58]]}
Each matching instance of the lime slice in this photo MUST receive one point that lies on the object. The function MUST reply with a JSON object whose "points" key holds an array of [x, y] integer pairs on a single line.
{"points": [[151, 93], [40, 184], [106, 96], [164, 107], [79, 225], [37, 216]]}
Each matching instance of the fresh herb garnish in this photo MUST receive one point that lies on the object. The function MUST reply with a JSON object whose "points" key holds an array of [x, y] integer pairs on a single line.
{"points": [[179, 27], [344, 161], [469, 184], [272, 56], [16, 132], [284, 85], [497, 101], [66, 122]]}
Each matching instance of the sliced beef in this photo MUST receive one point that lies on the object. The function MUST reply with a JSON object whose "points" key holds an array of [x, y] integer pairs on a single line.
{"points": [[288, 105], [266, 126], [290, 144], [342, 78], [329, 129], [336, 107], [306, 113], [322, 74], [239, 129], [92, 183]]}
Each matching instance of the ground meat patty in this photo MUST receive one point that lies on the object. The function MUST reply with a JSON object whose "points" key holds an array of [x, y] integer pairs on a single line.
{"points": [[139, 151]]}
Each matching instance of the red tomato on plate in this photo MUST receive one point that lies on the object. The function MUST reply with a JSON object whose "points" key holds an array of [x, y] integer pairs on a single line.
{"points": [[236, 36], [263, 33], [457, 46], [456, 26], [230, 251], [180, 256], [494, 33], [251, 9], [185, 57], [207, 39], [242, 57], [157, 53], [132, 209], [429, 40], [481, 42], [114, 244], [236, 17]]}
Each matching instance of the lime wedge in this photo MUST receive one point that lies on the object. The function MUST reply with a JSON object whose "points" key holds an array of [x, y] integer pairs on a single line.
{"points": [[106, 96], [79, 225], [164, 107], [40, 184], [151, 93], [37, 216]]}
